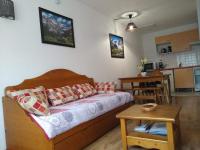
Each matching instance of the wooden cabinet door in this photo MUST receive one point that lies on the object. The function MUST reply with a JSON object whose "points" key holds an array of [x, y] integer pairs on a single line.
{"points": [[193, 35], [163, 39], [184, 78], [181, 41]]}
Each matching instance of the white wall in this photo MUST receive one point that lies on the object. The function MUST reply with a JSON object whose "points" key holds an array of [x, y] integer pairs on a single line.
{"points": [[149, 46], [22, 55]]}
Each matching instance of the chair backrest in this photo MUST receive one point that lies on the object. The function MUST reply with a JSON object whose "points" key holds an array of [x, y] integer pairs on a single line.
{"points": [[146, 93], [147, 89]]}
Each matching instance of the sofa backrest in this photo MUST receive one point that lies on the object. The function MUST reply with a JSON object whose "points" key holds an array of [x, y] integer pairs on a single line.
{"points": [[53, 79]]}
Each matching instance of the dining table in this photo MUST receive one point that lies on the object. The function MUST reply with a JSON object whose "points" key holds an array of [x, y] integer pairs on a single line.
{"points": [[165, 83]]}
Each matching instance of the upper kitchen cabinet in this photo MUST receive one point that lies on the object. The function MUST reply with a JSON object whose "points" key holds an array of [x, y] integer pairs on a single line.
{"points": [[181, 41], [163, 39], [176, 42], [164, 44]]}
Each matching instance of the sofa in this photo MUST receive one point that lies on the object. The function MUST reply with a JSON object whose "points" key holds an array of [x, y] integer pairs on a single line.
{"points": [[24, 132]]}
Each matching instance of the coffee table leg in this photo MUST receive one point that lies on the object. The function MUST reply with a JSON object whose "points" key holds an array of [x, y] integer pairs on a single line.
{"points": [[170, 136], [124, 133], [178, 130]]}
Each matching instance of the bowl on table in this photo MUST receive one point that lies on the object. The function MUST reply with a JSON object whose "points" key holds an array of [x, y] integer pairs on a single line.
{"points": [[149, 106], [143, 74]]}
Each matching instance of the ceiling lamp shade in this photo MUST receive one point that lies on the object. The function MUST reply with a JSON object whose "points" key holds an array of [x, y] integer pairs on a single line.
{"points": [[131, 27], [7, 9]]}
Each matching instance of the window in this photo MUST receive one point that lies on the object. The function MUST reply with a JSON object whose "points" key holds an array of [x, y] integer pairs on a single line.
{"points": [[188, 58]]}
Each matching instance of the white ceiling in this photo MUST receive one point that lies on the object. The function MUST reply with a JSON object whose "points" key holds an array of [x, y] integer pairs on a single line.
{"points": [[163, 13]]}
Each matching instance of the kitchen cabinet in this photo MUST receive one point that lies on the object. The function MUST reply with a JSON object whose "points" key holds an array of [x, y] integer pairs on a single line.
{"points": [[163, 39], [179, 41], [184, 78]]}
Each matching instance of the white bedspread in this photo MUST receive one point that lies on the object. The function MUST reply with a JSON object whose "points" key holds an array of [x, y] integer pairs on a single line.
{"points": [[65, 117]]}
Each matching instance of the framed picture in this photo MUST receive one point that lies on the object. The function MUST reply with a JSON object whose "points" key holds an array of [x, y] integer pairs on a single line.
{"points": [[116, 46], [56, 29]]}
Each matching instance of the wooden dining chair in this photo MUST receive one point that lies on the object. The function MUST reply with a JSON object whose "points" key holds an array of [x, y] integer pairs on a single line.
{"points": [[165, 89], [145, 94], [150, 89]]}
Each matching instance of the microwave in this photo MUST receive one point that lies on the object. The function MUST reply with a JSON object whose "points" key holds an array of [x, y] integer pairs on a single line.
{"points": [[148, 67]]}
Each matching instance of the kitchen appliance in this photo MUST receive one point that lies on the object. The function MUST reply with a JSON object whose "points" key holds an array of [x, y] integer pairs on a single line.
{"points": [[148, 67], [197, 78], [160, 65]]}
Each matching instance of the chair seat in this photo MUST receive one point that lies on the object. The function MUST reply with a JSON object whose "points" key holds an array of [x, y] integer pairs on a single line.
{"points": [[146, 88], [145, 97]]}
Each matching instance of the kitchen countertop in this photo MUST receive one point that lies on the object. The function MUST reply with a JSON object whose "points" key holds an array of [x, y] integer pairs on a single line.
{"points": [[172, 68]]}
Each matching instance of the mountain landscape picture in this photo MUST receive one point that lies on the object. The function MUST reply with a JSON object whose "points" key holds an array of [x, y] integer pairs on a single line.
{"points": [[117, 46], [56, 29]]}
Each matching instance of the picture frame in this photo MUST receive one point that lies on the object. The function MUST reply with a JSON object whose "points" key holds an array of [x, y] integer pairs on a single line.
{"points": [[116, 46], [56, 29]]}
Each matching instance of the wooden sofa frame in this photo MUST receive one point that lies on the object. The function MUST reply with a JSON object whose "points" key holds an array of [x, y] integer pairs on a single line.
{"points": [[24, 134]]}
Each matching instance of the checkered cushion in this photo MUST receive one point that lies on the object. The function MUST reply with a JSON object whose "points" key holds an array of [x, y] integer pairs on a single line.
{"points": [[31, 103], [38, 91], [62, 95], [84, 90], [91, 88], [105, 87]]}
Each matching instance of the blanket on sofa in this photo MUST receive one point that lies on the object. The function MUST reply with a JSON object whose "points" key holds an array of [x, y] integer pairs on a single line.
{"points": [[67, 116]]}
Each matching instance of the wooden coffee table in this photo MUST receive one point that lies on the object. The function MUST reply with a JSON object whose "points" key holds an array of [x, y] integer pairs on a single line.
{"points": [[163, 113]]}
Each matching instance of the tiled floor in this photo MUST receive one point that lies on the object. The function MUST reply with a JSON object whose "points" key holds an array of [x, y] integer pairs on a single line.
{"points": [[190, 128]]}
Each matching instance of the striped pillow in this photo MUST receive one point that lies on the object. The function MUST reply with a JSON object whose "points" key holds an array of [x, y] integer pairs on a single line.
{"points": [[62, 95], [105, 87], [84, 90]]}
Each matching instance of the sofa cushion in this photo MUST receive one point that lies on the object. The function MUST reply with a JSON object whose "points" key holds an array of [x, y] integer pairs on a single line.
{"points": [[105, 87], [65, 117], [90, 87], [84, 90], [62, 95], [31, 103], [37, 91]]}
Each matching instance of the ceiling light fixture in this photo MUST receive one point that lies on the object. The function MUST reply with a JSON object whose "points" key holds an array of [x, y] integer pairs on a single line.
{"points": [[131, 25], [125, 15]]}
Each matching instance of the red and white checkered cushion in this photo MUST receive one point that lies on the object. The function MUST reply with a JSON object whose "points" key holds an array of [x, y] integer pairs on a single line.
{"points": [[105, 87], [31, 103], [90, 87], [84, 90], [38, 91], [62, 95]]}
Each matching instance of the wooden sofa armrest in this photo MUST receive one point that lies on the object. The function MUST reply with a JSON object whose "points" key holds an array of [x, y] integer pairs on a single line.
{"points": [[21, 132]]}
